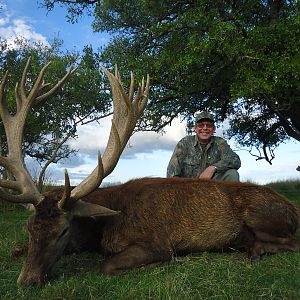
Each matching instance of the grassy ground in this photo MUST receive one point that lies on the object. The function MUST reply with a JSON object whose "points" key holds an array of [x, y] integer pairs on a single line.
{"points": [[201, 276]]}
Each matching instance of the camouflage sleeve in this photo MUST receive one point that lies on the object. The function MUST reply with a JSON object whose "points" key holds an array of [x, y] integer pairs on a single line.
{"points": [[174, 166], [229, 159]]}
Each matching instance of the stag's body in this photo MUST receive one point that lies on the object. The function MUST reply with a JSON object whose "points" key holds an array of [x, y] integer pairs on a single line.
{"points": [[160, 218], [173, 215]]}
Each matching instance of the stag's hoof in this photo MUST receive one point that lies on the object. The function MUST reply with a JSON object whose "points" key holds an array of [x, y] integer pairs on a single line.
{"points": [[19, 251], [255, 258]]}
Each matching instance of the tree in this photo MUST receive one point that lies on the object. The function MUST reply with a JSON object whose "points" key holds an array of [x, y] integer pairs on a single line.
{"points": [[83, 98], [239, 58]]}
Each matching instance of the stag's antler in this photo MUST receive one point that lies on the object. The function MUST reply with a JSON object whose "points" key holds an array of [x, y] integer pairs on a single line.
{"points": [[127, 110], [14, 129]]}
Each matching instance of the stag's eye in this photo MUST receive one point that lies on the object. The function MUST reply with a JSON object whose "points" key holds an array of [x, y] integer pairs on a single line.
{"points": [[64, 232]]}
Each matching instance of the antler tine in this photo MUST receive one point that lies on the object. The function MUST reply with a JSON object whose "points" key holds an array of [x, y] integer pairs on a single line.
{"points": [[144, 98], [131, 89], [18, 98], [90, 183], [141, 97], [67, 192], [14, 126], [3, 104], [22, 198], [38, 85], [2, 85], [23, 80], [59, 84], [126, 113], [117, 74]]}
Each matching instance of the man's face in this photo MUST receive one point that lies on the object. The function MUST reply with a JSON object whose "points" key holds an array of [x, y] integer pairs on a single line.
{"points": [[204, 130]]}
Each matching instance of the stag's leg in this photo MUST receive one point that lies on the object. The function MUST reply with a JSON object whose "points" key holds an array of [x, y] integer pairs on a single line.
{"points": [[274, 225], [261, 247], [289, 243], [134, 256], [267, 243]]}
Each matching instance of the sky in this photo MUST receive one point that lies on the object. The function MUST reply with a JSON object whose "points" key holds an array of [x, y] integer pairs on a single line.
{"points": [[148, 153]]}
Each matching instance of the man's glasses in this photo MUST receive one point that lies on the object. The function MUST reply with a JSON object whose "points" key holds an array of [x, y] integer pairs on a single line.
{"points": [[208, 125]]}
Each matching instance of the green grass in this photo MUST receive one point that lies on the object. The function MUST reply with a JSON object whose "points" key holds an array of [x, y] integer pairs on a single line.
{"points": [[290, 189], [201, 276]]}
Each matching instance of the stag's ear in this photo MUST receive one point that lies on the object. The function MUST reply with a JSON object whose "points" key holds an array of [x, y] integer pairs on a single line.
{"points": [[85, 209]]}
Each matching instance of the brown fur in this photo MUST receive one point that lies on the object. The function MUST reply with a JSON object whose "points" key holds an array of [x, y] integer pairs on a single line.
{"points": [[160, 218]]}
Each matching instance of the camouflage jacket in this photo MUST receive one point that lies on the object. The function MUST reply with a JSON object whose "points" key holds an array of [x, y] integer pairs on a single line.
{"points": [[189, 159]]}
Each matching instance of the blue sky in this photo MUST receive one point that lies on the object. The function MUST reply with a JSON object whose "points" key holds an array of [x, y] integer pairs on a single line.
{"points": [[148, 153], [27, 16]]}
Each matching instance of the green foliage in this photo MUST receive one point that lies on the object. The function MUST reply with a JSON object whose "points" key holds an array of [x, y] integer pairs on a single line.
{"points": [[199, 276], [238, 58]]}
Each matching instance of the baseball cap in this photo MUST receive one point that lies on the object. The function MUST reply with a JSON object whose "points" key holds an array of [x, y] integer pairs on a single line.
{"points": [[204, 115]]}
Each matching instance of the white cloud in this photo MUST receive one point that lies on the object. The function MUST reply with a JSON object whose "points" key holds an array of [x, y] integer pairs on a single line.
{"points": [[92, 137], [4, 21], [18, 28]]}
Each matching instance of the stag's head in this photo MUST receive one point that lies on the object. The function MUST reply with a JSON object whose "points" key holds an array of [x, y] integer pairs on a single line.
{"points": [[51, 225]]}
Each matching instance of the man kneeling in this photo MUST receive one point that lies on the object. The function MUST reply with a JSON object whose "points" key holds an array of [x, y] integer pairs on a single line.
{"points": [[203, 154]]}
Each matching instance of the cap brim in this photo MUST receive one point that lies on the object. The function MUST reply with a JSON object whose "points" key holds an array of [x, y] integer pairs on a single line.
{"points": [[213, 121]]}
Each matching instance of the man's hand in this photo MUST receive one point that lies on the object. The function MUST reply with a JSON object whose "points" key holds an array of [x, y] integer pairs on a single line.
{"points": [[208, 173]]}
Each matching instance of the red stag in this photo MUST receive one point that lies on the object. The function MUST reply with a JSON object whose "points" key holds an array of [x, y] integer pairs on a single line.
{"points": [[144, 220]]}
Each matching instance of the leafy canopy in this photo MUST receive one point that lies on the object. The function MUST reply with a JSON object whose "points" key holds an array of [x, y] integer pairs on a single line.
{"points": [[239, 59]]}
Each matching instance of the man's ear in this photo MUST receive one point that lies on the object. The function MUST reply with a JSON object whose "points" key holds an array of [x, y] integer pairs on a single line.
{"points": [[85, 209]]}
